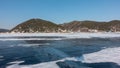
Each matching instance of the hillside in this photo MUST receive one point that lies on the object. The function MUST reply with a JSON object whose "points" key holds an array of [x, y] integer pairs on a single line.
{"points": [[86, 26], [37, 25]]}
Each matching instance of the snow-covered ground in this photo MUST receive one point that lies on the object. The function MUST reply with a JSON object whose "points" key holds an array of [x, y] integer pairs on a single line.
{"points": [[69, 35], [105, 55]]}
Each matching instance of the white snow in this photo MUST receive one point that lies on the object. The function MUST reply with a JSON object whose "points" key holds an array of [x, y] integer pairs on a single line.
{"points": [[41, 65], [67, 35], [7, 39], [15, 62], [105, 55], [51, 64], [80, 35]]}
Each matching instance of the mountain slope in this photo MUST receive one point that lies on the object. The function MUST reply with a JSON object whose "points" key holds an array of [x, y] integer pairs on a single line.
{"points": [[37, 25], [93, 25]]}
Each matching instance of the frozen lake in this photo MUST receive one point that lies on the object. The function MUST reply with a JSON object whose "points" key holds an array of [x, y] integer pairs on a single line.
{"points": [[97, 50]]}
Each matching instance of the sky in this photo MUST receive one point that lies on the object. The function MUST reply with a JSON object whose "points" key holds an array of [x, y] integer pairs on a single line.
{"points": [[14, 12]]}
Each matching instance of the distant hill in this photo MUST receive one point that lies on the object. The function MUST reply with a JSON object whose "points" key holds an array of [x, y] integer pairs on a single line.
{"points": [[4, 30], [86, 26], [37, 25]]}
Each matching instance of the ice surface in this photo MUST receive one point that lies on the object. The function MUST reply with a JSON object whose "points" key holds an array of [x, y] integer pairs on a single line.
{"points": [[105, 55], [1, 56], [1, 59], [51, 64], [29, 45], [68, 35]]}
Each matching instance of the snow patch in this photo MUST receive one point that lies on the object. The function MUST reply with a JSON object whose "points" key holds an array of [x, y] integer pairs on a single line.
{"points": [[15, 62], [105, 55], [14, 39]]}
